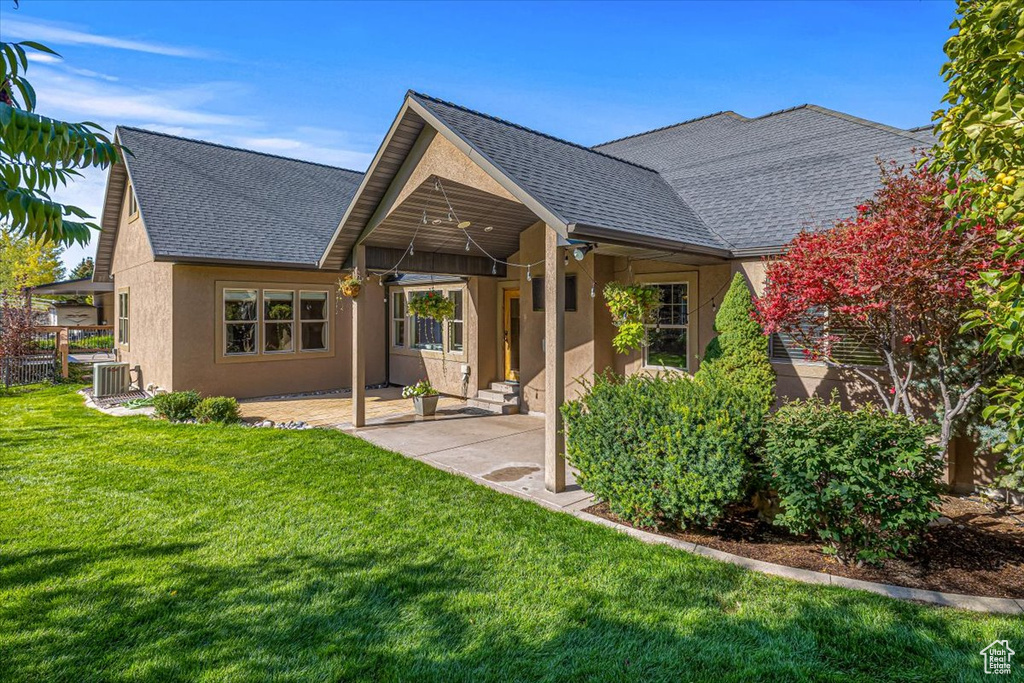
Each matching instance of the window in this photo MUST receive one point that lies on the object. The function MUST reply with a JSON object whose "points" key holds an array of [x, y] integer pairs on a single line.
{"points": [[426, 332], [314, 321], [850, 349], [570, 293], [122, 318], [279, 321], [668, 339], [240, 321], [398, 318], [133, 205], [455, 326], [276, 322]]}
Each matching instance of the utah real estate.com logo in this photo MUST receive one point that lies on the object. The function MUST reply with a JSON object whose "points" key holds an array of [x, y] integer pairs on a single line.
{"points": [[997, 657]]}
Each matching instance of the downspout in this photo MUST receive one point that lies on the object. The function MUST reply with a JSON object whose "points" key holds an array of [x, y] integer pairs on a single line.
{"points": [[387, 336]]}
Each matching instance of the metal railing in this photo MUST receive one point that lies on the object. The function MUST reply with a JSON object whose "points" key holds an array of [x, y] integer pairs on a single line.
{"points": [[49, 351], [29, 369]]}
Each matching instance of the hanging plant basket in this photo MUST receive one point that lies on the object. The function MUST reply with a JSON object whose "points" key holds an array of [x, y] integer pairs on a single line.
{"points": [[350, 286], [632, 308], [433, 304]]}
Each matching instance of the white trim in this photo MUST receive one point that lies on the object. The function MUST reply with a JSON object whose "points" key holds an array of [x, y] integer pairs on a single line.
{"points": [[644, 365]]}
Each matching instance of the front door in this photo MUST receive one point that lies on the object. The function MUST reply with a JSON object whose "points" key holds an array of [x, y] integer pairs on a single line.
{"points": [[511, 335]]}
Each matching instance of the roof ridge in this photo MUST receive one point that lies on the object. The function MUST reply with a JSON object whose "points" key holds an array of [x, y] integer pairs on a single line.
{"points": [[918, 129], [237, 149], [727, 112], [531, 130], [861, 121]]}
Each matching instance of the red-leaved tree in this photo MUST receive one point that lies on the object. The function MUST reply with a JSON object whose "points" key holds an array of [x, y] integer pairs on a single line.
{"points": [[893, 279]]}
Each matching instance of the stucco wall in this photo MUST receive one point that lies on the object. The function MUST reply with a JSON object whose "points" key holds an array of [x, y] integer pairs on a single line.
{"points": [[444, 370], [199, 362], [149, 287]]}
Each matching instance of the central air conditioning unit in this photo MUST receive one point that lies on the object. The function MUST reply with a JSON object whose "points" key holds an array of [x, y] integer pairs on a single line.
{"points": [[109, 379]]}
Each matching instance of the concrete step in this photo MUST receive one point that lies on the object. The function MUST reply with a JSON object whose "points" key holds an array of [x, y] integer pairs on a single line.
{"points": [[505, 387], [496, 407], [495, 395]]}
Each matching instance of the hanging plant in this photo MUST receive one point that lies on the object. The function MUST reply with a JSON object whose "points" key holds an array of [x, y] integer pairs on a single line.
{"points": [[350, 285], [433, 304], [632, 308]]}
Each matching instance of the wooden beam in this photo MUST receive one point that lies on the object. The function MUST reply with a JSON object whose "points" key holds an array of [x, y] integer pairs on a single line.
{"points": [[358, 344], [385, 258], [554, 361]]}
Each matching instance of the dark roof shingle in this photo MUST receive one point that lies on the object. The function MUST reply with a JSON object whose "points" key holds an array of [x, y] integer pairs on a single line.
{"points": [[578, 184], [206, 202], [758, 182]]}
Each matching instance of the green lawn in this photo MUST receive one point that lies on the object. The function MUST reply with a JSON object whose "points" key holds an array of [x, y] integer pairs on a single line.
{"points": [[135, 550]]}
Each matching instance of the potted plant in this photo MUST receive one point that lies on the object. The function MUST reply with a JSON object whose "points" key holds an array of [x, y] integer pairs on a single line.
{"points": [[424, 397], [432, 304], [351, 285], [632, 308]]}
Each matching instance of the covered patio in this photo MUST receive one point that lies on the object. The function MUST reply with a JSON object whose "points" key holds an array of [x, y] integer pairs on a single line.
{"points": [[504, 452], [456, 193]]}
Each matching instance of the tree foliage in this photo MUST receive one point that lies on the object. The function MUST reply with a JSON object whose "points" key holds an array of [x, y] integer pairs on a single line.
{"points": [[38, 154], [83, 270], [895, 279], [981, 131], [25, 262], [740, 350]]}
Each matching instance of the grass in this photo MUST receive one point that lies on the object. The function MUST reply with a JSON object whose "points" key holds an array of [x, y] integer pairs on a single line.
{"points": [[131, 549]]}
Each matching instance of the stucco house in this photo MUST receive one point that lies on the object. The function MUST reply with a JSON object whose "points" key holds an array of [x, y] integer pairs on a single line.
{"points": [[224, 261]]}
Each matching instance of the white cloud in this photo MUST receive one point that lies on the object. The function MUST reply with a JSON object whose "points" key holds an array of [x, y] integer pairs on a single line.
{"points": [[64, 94], [47, 33], [306, 150]]}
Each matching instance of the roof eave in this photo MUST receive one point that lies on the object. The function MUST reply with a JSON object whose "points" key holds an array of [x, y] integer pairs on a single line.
{"points": [[244, 263], [625, 238]]}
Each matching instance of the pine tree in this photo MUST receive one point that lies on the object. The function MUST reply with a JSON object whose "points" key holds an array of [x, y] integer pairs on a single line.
{"points": [[740, 351]]}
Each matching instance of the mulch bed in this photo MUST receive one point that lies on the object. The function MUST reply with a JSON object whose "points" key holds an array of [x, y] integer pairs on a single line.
{"points": [[980, 553]]}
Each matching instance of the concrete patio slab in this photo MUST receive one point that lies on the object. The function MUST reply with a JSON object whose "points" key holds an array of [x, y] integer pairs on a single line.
{"points": [[503, 452]]}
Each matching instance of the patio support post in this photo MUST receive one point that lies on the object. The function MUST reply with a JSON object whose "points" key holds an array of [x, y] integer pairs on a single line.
{"points": [[554, 362], [359, 313]]}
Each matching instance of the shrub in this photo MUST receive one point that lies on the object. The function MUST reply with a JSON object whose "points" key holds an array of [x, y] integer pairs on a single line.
{"points": [[864, 481], [740, 351], [662, 451], [176, 406], [220, 409]]}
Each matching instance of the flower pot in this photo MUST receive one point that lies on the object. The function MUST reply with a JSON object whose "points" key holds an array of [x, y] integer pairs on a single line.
{"points": [[351, 289], [425, 405]]}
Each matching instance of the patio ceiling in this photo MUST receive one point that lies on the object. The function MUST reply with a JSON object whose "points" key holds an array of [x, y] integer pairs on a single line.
{"points": [[495, 221]]}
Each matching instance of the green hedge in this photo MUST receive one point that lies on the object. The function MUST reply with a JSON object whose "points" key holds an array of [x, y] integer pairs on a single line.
{"points": [[864, 481], [219, 409], [176, 406], [663, 451]]}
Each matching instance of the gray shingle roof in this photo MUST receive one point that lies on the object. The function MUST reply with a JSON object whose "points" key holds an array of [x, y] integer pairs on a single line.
{"points": [[758, 182], [207, 202], [578, 184]]}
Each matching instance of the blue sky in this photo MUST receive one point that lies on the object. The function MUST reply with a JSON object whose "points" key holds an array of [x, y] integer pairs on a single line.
{"points": [[323, 81]]}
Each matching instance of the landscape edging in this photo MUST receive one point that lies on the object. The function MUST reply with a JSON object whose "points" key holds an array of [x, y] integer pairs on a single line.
{"points": [[974, 603]]}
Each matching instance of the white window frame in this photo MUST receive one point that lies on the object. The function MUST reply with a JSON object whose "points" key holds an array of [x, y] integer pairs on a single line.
{"points": [[124, 303], [410, 328], [456, 321], [647, 365], [133, 203], [399, 314], [326, 321], [264, 321], [258, 321]]}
